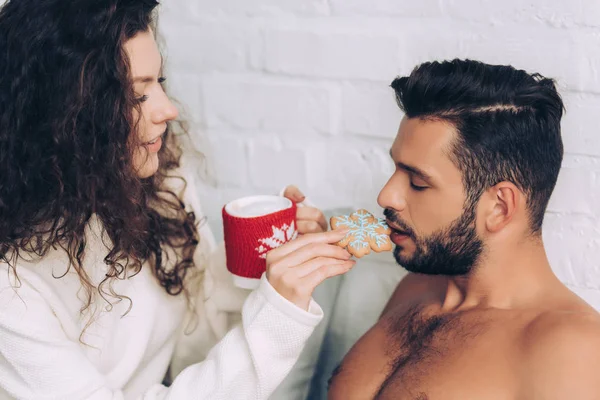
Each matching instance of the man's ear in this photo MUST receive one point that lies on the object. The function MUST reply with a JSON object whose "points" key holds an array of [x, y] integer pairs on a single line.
{"points": [[503, 201]]}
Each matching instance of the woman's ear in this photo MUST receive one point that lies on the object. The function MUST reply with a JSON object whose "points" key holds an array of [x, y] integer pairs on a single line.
{"points": [[503, 201]]}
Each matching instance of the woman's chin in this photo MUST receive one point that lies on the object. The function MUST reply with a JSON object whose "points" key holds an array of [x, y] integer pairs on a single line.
{"points": [[149, 168]]}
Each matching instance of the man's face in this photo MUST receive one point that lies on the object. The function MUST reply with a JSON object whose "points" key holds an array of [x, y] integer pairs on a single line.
{"points": [[424, 202]]}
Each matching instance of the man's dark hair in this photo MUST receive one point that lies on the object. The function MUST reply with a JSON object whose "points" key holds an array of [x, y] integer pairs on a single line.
{"points": [[507, 123]]}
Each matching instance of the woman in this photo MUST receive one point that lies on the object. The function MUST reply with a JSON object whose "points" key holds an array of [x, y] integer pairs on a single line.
{"points": [[105, 264]]}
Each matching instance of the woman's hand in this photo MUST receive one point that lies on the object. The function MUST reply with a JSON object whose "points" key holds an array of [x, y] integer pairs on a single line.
{"points": [[309, 219], [298, 267]]}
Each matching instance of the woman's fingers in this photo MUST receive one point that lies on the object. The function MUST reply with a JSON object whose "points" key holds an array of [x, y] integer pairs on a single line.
{"points": [[311, 266], [308, 226], [307, 218], [304, 240], [326, 271], [297, 284], [309, 252], [294, 194], [297, 267]]}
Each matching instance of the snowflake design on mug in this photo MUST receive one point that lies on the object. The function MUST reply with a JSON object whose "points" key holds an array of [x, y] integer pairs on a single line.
{"points": [[281, 235]]}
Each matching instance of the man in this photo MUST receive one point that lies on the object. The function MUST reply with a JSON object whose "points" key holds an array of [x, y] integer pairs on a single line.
{"points": [[481, 314]]}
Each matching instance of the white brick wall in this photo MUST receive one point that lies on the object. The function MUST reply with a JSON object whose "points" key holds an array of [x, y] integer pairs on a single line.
{"points": [[296, 91]]}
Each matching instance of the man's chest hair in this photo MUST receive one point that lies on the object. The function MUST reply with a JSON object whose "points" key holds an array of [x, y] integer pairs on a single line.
{"points": [[418, 340]]}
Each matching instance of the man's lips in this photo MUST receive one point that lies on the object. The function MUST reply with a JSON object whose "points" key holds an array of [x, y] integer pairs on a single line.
{"points": [[396, 229], [398, 235]]}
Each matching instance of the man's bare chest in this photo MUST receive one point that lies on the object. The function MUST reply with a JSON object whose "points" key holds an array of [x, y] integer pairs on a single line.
{"points": [[417, 357]]}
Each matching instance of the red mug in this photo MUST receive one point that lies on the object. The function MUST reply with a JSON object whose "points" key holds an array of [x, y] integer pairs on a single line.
{"points": [[253, 226]]}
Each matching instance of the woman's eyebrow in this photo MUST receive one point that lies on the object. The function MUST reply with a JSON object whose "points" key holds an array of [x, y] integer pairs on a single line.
{"points": [[144, 79], [148, 78]]}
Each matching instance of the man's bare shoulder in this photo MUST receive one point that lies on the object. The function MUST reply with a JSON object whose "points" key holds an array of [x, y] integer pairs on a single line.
{"points": [[415, 288], [561, 350], [562, 326]]}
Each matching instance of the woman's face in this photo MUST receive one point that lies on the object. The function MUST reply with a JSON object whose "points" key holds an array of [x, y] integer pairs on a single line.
{"points": [[156, 108]]}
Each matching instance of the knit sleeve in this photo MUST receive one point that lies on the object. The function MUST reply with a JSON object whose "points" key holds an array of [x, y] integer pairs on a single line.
{"points": [[254, 357], [38, 360]]}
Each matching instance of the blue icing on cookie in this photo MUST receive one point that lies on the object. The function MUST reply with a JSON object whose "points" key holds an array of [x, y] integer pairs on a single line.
{"points": [[362, 229]]}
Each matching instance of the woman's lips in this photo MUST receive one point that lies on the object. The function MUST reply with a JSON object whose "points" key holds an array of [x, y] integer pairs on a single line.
{"points": [[154, 145]]}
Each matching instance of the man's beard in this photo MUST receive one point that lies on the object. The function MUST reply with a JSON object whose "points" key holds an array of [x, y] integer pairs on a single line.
{"points": [[454, 250]]}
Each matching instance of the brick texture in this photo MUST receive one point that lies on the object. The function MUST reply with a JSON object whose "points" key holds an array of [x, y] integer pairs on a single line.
{"points": [[286, 91]]}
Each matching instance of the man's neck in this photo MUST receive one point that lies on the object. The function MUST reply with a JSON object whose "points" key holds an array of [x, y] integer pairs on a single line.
{"points": [[505, 278]]}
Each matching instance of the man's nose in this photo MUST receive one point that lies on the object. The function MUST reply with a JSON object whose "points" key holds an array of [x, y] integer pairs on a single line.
{"points": [[392, 195]]}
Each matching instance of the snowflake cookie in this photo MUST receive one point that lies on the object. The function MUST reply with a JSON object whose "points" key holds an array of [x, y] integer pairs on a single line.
{"points": [[366, 232]]}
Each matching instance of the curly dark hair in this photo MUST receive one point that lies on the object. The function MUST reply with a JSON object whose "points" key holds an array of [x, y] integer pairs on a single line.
{"points": [[66, 122]]}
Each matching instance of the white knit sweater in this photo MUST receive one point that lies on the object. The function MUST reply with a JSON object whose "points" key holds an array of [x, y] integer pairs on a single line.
{"points": [[42, 355]]}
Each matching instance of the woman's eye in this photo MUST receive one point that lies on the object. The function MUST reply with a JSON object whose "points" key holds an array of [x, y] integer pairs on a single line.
{"points": [[143, 98]]}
